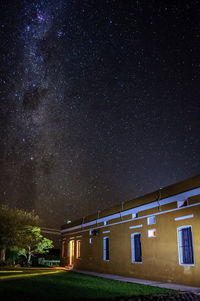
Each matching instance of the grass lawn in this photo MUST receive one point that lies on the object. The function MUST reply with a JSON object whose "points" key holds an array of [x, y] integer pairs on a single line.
{"points": [[51, 284]]}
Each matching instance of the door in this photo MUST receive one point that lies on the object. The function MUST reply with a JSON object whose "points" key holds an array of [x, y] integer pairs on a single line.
{"points": [[71, 252]]}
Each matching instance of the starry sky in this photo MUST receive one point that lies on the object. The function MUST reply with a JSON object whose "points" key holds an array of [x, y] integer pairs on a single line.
{"points": [[99, 102]]}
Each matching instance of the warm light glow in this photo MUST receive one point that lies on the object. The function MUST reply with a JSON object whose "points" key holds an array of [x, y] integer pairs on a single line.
{"points": [[152, 233], [11, 272], [71, 250], [27, 275], [78, 249]]}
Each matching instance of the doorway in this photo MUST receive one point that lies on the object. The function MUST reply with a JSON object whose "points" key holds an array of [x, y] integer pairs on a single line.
{"points": [[71, 252]]}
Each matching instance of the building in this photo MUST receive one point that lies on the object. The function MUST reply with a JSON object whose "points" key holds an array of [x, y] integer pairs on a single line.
{"points": [[155, 237]]}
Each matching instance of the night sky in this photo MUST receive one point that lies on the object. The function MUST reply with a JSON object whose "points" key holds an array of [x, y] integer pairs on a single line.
{"points": [[99, 102]]}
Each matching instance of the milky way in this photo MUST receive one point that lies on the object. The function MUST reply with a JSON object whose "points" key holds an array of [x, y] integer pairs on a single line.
{"points": [[100, 102]]}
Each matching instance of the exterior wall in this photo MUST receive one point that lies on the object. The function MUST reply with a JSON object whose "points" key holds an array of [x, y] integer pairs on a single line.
{"points": [[160, 257]]}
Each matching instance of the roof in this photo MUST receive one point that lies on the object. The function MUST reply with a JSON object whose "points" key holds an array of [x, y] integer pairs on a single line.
{"points": [[159, 194]]}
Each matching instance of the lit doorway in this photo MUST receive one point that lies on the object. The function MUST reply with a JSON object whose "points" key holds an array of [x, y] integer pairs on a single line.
{"points": [[71, 252]]}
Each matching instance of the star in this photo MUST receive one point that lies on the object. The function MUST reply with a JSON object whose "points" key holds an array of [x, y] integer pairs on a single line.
{"points": [[59, 33], [40, 17], [99, 102]]}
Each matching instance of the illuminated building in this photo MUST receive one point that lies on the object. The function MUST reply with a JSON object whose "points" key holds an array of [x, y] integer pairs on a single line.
{"points": [[155, 237]]}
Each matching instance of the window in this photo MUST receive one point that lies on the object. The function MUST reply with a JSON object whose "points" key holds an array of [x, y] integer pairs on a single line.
{"points": [[182, 203], [185, 245], [90, 240], [105, 223], [151, 220], [106, 248], [63, 249], [134, 215], [71, 252], [136, 248], [90, 232], [78, 249], [152, 233], [68, 249]]}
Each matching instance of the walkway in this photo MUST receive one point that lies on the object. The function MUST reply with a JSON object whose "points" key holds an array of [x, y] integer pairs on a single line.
{"points": [[180, 287]]}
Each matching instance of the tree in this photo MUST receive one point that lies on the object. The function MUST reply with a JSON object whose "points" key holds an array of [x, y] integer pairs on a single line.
{"points": [[31, 238], [19, 230]]}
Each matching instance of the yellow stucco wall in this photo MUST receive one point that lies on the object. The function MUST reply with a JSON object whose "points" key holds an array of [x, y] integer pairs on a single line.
{"points": [[160, 257]]}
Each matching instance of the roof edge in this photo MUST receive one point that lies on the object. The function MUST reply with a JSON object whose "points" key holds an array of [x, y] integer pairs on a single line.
{"points": [[160, 193]]}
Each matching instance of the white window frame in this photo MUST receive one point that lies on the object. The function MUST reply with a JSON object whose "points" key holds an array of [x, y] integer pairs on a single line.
{"points": [[179, 250], [133, 247], [104, 249], [151, 220], [78, 250]]}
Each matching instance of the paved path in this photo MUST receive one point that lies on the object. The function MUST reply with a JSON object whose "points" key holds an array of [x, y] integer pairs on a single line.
{"points": [[185, 288]]}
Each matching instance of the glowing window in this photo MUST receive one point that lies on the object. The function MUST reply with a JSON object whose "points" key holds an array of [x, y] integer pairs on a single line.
{"points": [[182, 203], [152, 233], [78, 249], [90, 240], [106, 248], [151, 220], [185, 245], [63, 249], [136, 247], [134, 215], [90, 232], [105, 223]]}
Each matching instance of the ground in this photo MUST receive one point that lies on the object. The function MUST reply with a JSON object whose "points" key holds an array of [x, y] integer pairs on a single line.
{"points": [[57, 284]]}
